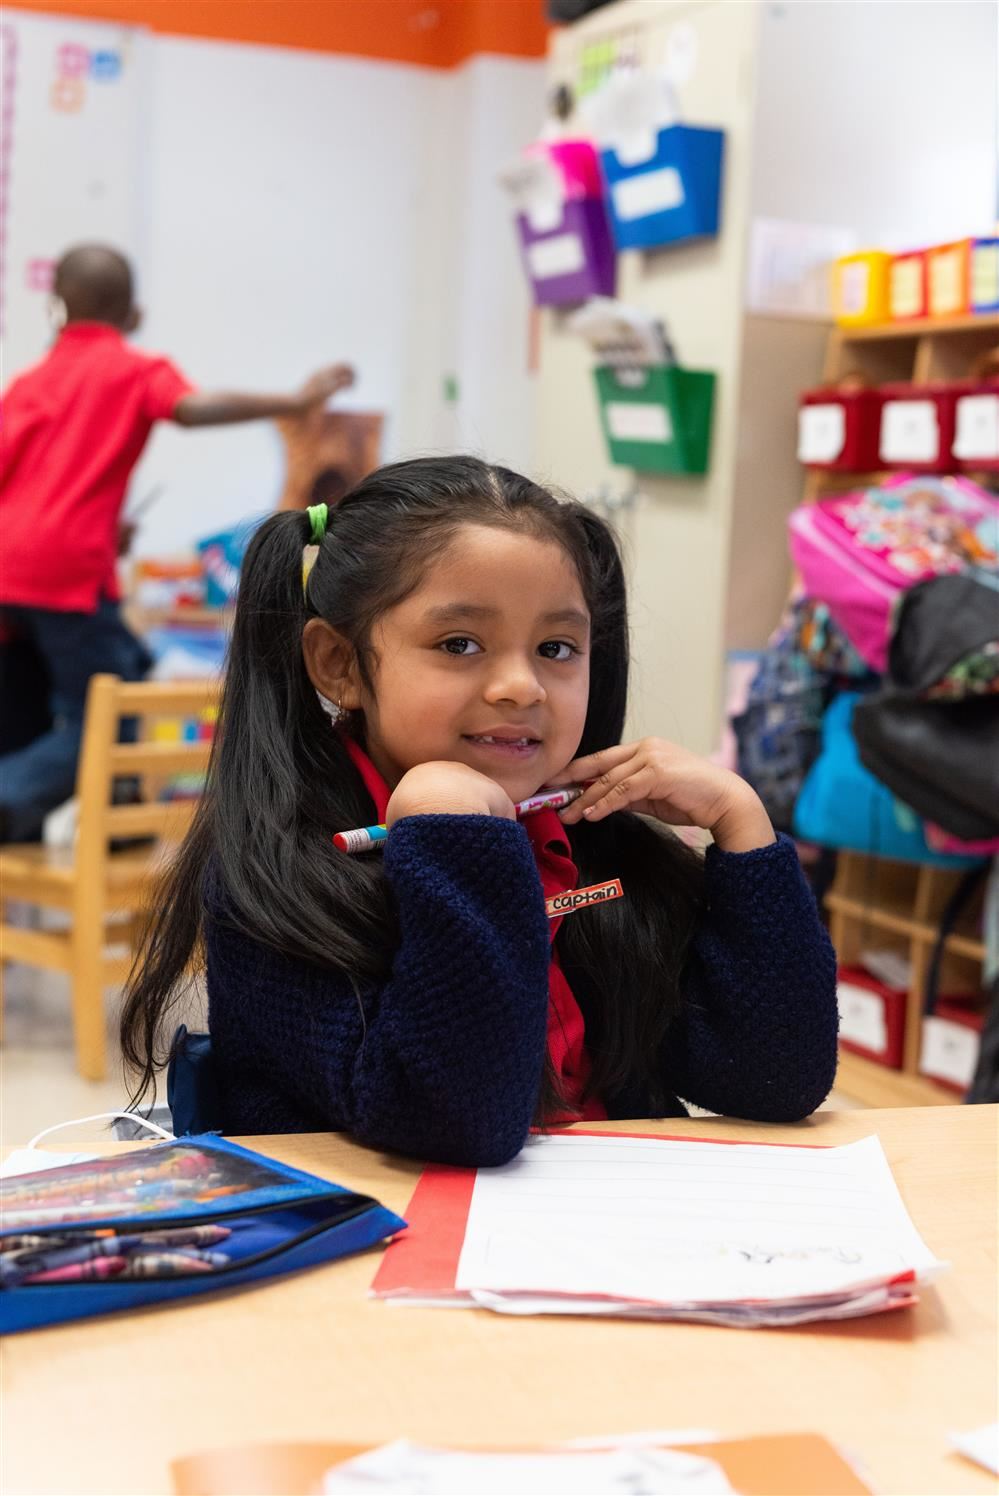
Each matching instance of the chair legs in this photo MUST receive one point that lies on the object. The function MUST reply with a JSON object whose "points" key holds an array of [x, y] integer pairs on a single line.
{"points": [[87, 979]]}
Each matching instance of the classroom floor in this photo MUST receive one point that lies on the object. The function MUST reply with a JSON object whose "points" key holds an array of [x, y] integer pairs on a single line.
{"points": [[38, 1081]]}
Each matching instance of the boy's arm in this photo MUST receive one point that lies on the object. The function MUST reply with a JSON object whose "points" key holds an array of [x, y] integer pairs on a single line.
{"points": [[205, 408]]}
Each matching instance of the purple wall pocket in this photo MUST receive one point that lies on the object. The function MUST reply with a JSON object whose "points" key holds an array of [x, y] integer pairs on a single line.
{"points": [[572, 259]]}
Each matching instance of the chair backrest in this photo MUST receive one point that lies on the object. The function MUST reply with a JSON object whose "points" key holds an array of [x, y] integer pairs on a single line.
{"points": [[166, 755]]}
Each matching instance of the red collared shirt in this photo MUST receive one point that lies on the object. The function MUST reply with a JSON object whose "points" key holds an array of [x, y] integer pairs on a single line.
{"points": [[558, 872], [73, 428]]}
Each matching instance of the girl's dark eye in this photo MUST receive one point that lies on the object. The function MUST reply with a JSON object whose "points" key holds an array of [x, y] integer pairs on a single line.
{"points": [[460, 646], [557, 649]]}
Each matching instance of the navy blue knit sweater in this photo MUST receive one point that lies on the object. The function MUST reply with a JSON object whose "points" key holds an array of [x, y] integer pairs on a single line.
{"points": [[445, 1060]]}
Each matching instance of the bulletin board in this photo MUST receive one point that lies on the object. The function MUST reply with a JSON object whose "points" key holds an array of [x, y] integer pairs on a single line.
{"points": [[72, 141]]}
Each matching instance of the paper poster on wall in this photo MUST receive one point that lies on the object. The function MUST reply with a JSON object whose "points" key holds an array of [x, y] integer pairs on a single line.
{"points": [[789, 266], [72, 117]]}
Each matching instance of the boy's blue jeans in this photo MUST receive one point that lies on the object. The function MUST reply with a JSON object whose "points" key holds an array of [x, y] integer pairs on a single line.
{"points": [[68, 649]]}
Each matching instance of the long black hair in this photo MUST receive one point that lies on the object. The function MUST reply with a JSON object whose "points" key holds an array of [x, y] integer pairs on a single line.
{"points": [[280, 781]]}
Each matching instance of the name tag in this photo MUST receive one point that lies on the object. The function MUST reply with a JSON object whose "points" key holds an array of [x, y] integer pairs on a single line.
{"points": [[582, 898]]}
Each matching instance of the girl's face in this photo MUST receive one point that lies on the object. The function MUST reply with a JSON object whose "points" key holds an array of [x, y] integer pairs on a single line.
{"points": [[486, 663]]}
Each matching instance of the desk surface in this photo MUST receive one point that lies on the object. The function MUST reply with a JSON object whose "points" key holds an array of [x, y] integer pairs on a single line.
{"points": [[102, 1407]]}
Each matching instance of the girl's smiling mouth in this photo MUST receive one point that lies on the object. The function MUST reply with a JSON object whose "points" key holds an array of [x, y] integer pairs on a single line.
{"points": [[507, 742]]}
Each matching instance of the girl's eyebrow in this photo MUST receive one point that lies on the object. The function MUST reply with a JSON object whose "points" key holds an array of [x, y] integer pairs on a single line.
{"points": [[455, 612]]}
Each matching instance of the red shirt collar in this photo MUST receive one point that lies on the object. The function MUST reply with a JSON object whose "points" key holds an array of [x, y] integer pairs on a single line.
{"points": [[373, 781], [73, 331]]}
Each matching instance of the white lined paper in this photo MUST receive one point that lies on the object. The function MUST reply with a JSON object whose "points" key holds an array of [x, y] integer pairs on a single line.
{"points": [[688, 1225]]}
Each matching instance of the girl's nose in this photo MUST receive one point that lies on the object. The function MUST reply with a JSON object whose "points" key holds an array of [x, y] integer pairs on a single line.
{"points": [[516, 681]]}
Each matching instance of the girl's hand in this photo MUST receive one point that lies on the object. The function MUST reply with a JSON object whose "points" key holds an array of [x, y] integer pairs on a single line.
{"points": [[447, 789], [659, 779]]}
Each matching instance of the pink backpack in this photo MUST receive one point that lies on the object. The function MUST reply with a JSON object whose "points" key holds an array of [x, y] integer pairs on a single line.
{"points": [[857, 552]]}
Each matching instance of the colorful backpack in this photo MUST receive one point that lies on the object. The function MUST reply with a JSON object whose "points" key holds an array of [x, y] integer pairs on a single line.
{"points": [[857, 552], [778, 732]]}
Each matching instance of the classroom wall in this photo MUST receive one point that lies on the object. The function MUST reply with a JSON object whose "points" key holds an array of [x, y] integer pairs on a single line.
{"points": [[293, 208], [878, 117], [332, 208], [676, 534]]}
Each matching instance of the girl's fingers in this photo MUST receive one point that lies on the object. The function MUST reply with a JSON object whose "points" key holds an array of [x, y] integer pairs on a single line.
{"points": [[595, 764], [613, 790]]}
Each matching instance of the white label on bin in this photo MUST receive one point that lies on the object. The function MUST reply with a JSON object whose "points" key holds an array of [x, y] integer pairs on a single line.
{"points": [[638, 423], [977, 434], [648, 192], [862, 1017], [821, 432], [949, 1051], [910, 431], [560, 255], [853, 283]]}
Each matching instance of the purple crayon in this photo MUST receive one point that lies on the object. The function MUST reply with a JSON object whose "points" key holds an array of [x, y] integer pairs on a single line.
{"points": [[80, 1272]]}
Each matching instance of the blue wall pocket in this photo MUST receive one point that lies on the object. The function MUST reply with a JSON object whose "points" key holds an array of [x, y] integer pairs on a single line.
{"points": [[672, 195]]}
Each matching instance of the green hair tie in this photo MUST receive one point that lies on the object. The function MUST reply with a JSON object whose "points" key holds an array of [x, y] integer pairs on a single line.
{"points": [[318, 516]]}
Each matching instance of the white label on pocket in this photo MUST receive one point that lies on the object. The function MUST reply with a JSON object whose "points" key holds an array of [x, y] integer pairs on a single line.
{"points": [[910, 431], [638, 423], [821, 432], [648, 192], [949, 1051], [977, 435], [862, 1017], [561, 255]]}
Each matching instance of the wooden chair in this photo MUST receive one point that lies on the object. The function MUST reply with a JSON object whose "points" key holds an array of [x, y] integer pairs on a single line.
{"points": [[95, 885]]}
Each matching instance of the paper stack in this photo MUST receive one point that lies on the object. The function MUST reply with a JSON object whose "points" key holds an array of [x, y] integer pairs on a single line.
{"points": [[403, 1467], [738, 1234]]}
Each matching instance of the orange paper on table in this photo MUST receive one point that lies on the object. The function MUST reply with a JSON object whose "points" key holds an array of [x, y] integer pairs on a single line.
{"points": [[771, 1465]]}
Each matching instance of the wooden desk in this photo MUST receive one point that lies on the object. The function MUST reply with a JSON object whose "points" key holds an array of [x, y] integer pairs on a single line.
{"points": [[103, 1407]]}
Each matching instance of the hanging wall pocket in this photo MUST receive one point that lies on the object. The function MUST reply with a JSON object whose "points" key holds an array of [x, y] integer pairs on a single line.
{"points": [[561, 214], [658, 419]]}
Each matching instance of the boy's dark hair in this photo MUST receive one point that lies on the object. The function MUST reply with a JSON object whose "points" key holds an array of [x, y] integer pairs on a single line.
{"points": [[95, 283], [281, 781]]}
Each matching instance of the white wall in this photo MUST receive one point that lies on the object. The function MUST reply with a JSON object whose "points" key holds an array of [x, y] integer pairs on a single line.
{"points": [[302, 208], [878, 117], [296, 208]]}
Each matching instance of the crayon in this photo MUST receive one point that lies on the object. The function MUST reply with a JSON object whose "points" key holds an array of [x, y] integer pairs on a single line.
{"points": [[363, 839], [372, 838], [79, 1272], [163, 1265]]}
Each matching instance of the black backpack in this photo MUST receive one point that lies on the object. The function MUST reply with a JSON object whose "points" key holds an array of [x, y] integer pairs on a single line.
{"points": [[932, 736]]}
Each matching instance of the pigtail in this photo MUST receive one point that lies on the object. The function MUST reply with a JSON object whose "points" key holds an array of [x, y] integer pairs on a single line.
{"points": [[259, 855]]}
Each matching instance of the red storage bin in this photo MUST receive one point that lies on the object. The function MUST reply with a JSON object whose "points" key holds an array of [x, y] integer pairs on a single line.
{"points": [[871, 1016], [917, 427], [838, 430], [952, 1036], [976, 427]]}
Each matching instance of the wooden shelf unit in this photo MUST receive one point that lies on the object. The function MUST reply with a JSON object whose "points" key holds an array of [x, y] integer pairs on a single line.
{"points": [[921, 351], [873, 902]]}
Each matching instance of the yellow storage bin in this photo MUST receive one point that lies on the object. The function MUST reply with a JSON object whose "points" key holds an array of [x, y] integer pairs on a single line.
{"points": [[860, 287]]}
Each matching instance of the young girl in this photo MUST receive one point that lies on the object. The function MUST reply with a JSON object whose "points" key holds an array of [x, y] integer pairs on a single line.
{"points": [[469, 629]]}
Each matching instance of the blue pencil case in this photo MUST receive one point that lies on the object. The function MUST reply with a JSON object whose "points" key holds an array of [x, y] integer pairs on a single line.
{"points": [[129, 1212]]}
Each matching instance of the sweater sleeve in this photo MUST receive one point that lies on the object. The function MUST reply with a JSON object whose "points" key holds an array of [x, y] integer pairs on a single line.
{"points": [[443, 1060], [757, 1037]]}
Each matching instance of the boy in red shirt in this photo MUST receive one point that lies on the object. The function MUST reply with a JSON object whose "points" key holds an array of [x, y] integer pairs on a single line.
{"points": [[74, 427]]}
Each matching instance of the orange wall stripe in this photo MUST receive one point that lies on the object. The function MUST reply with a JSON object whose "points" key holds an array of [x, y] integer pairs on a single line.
{"points": [[429, 33]]}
